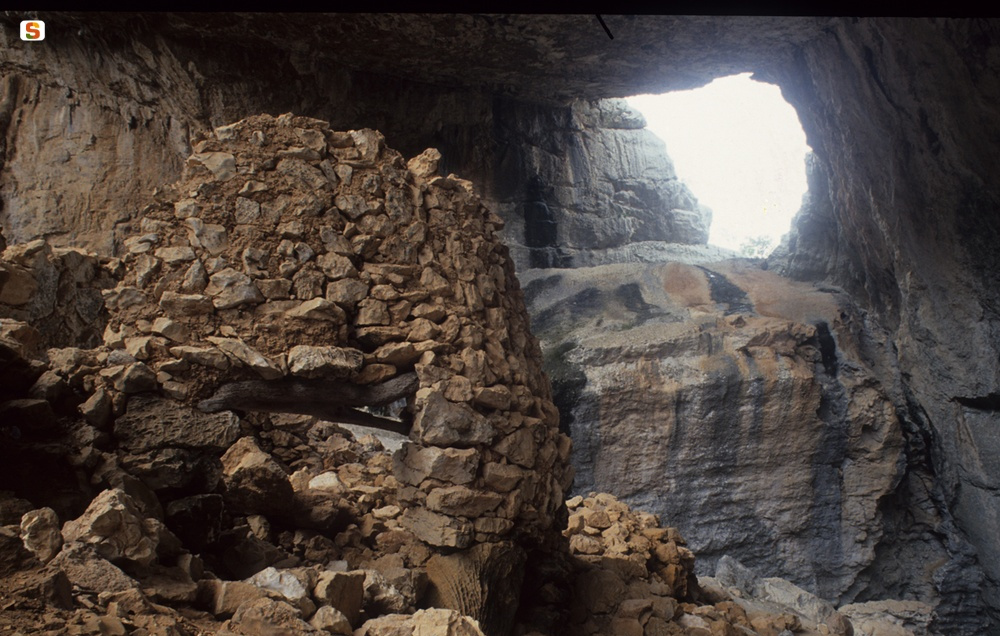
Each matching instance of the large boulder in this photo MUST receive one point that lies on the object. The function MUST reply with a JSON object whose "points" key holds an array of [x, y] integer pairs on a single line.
{"points": [[115, 527]]}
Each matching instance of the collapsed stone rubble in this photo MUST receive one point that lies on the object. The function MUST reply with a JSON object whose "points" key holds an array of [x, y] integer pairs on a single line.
{"points": [[295, 260]]}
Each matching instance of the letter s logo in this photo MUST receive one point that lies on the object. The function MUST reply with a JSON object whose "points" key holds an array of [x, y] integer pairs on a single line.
{"points": [[32, 30]]}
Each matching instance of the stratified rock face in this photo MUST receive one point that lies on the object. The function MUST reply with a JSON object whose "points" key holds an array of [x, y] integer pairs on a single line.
{"points": [[904, 219], [576, 185], [730, 401]]}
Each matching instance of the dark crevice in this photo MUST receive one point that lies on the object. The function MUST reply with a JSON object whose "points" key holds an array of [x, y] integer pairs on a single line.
{"points": [[568, 382], [870, 63], [827, 349], [541, 230], [989, 402], [933, 141]]}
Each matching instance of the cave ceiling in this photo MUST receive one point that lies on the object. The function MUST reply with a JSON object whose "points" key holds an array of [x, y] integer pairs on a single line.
{"points": [[542, 58]]}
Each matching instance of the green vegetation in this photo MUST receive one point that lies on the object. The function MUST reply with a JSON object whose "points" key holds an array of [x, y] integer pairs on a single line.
{"points": [[757, 246]]}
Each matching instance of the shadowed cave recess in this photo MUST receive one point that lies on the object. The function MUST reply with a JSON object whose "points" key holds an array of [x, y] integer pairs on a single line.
{"points": [[826, 416]]}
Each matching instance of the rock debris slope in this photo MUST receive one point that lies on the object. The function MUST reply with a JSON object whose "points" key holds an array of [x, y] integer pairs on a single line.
{"points": [[292, 258]]}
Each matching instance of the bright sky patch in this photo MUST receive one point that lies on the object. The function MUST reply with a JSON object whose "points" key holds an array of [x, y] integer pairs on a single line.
{"points": [[740, 148]]}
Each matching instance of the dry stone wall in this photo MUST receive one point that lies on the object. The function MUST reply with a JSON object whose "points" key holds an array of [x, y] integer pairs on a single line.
{"points": [[292, 251]]}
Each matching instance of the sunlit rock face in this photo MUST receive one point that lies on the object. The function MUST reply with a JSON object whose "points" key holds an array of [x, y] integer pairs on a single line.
{"points": [[580, 185], [902, 215]]}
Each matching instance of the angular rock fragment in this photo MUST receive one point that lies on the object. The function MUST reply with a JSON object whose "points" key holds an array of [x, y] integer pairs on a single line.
{"points": [[222, 165], [247, 355], [444, 423], [207, 356], [255, 483], [230, 288], [89, 570], [437, 529], [153, 422], [170, 329], [208, 236], [425, 164], [267, 616], [186, 304], [413, 464], [343, 590], [41, 533], [117, 529], [136, 378], [446, 622], [337, 267], [332, 621], [274, 288], [169, 585], [172, 255], [317, 309], [461, 500], [223, 598], [326, 481], [314, 362], [292, 585], [17, 285]]}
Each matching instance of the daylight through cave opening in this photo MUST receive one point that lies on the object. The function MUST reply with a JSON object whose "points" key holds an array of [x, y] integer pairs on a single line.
{"points": [[740, 148]]}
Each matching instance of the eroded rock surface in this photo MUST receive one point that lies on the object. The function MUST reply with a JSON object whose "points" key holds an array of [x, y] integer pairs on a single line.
{"points": [[720, 392]]}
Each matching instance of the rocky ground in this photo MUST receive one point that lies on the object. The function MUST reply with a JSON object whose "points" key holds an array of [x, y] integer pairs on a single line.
{"points": [[333, 557]]}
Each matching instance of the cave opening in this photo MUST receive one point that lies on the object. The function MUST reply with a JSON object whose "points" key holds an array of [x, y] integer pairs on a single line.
{"points": [[740, 148]]}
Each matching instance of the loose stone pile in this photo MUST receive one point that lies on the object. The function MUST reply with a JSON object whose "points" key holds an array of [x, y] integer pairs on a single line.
{"points": [[307, 265]]}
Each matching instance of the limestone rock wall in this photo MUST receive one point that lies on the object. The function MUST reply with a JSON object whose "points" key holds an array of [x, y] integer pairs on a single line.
{"points": [[577, 185], [583, 176], [904, 220], [731, 401]]}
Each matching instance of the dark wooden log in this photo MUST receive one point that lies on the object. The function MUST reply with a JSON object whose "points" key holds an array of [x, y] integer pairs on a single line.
{"points": [[327, 399]]}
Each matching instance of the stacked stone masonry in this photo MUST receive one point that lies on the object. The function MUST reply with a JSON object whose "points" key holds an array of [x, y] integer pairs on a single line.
{"points": [[292, 251]]}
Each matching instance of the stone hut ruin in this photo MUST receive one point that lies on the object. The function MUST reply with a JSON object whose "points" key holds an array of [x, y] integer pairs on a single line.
{"points": [[297, 269]]}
